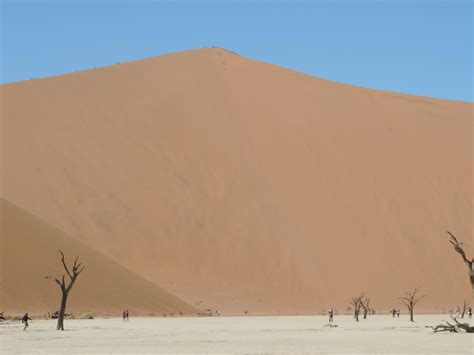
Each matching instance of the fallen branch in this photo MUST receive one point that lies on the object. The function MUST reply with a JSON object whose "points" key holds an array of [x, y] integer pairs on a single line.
{"points": [[452, 328]]}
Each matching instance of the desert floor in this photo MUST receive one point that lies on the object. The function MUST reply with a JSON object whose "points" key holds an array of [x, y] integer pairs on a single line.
{"points": [[294, 334]]}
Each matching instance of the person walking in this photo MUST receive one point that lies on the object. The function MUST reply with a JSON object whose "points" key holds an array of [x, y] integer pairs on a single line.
{"points": [[25, 320], [331, 315]]}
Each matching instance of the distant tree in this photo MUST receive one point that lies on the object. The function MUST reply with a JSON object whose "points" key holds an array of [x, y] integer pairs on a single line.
{"points": [[356, 303], [410, 300], [459, 247], [365, 304], [66, 288]]}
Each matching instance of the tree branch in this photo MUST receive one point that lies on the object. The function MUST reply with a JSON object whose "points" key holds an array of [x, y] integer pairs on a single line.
{"points": [[64, 263], [54, 279], [415, 301], [459, 249], [74, 267]]}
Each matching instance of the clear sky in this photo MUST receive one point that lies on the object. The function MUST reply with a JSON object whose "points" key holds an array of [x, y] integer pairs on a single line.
{"points": [[413, 46]]}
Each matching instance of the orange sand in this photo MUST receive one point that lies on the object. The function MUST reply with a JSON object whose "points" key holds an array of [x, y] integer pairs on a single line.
{"points": [[239, 185]]}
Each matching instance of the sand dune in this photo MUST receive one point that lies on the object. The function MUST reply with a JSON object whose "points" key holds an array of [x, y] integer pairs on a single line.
{"points": [[29, 252], [247, 186]]}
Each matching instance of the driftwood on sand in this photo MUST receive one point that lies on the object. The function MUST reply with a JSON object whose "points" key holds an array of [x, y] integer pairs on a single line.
{"points": [[452, 328]]}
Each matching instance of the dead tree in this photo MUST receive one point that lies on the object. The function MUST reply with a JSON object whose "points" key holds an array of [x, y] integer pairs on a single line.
{"points": [[356, 302], [410, 300], [365, 306], [465, 306], [459, 247], [464, 326], [65, 288], [453, 328]]}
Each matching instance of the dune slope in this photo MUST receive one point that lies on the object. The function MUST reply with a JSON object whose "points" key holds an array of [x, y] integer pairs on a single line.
{"points": [[29, 252], [241, 185]]}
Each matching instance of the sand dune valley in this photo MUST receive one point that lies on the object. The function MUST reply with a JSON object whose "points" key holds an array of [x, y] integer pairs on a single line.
{"points": [[202, 180]]}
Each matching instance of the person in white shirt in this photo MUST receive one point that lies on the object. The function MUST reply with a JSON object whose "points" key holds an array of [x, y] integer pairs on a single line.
{"points": [[331, 315]]}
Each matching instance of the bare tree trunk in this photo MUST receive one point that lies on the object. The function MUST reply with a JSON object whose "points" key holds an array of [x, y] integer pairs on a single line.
{"points": [[470, 270], [62, 311], [366, 306], [411, 314], [465, 326]]}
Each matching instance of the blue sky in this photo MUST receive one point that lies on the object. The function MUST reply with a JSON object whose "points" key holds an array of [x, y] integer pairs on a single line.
{"points": [[420, 47]]}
